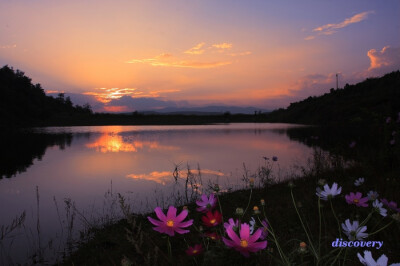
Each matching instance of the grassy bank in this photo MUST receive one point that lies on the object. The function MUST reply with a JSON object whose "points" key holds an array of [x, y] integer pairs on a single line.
{"points": [[301, 226]]}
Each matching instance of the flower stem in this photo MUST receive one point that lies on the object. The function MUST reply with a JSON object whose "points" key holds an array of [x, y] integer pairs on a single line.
{"points": [[271, 231], [337, 220], [169, 249], [248, 203], [380, 229], [304, 228]]}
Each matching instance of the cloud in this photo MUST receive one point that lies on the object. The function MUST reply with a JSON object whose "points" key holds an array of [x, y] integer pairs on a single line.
{"points": [[183, 63], [241, 54], [331, 28], [196, 49], [388, 59], [8, 46], [116, 109], [309, 38], [222, 46], [105, 95]]}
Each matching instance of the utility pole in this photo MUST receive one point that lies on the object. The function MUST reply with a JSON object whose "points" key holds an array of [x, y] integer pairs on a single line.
{"points": [[337, 81]]}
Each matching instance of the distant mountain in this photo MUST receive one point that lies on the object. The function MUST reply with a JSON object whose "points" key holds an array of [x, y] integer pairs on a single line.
{"points": [[209, 110], [370, 101]]}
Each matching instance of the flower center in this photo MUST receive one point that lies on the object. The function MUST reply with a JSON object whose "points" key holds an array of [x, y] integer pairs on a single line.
{"points": [[213, 221], [208, 206], [244, 243], [355, 200], [195, 251], [170, 223]]}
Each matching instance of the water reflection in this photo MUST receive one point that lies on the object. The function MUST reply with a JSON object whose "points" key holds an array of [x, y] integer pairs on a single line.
{"points": [[20, 149], [168, 177], [111, 142]]}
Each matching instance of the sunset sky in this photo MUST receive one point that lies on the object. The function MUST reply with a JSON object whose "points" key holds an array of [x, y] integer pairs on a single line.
{"points": [[127, 55]]}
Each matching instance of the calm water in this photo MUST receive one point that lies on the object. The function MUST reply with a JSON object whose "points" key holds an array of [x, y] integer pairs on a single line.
{"points": [[46, 171]]}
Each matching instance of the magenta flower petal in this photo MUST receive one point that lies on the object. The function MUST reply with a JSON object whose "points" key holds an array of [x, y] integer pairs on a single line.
{"points": [[232, 235], [255, 236], [171, 223], [185, 224], [228, 242], [246, 243], [181, 216], [171, 214], [258, 246], [160, 214], [181, 231], [245, 231], [155, 222]]}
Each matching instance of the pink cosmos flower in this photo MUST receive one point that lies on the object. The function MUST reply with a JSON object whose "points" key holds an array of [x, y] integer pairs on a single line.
{"points": [[212, 219], [392, 205], [194, 251], [356, 199], [213, 236], [232, 223], [245, 243], [171, 223], [206, 203]]}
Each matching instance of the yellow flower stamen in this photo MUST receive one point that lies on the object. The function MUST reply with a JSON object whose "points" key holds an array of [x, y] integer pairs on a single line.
{"points": [[355, 200], [213, 221], [244, 243], [170, 223], [195, 251]]}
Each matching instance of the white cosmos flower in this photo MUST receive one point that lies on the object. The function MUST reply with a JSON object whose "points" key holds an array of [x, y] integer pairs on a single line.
{"points": [[379, 208], [353, 231], [328, 192], [359, 182], [369, 261], [252, 224], [372, 195]]}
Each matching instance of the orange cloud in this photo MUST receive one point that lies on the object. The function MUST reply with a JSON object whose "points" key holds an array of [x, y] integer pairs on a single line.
{"points": [[196, 49], [8, 46], [116, 108], [222, 45], [105, 95], [329, 29], [183, 63], [387, 57], [240, 54], [309, 38]]}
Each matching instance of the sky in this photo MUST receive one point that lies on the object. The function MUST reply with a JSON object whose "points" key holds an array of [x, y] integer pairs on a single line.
{"points": [[134, 55]]}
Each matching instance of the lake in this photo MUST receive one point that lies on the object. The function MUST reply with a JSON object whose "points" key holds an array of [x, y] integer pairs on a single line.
{"points": [[66, 179]]}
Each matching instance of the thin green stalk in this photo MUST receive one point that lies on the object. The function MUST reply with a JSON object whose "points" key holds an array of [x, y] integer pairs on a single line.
{"points": [[380, 229], [304, 228], [337, 220], [337, 256], [344, 259], [169, 249], [220, 207], [320, 225], [366, 219], [271, 232], [248, 203]]}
